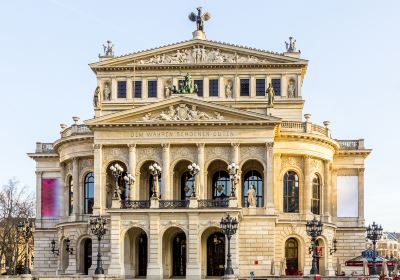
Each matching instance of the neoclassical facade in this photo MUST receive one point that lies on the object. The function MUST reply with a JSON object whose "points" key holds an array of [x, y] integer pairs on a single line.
{"points": [[213, 104]]}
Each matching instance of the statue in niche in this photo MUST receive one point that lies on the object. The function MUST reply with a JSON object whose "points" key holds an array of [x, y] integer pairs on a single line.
{"points": [[228, 89], [270, 94], [167, 89], [97, 98], [291, 92], [251, 197], [107, 92]]}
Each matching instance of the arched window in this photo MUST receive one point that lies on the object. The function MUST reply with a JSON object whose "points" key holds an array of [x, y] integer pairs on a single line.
{"points": [[291, 192], [221, 185], [70, 195], [187, 185], [253, 178], [316, 196], [291, 255], [89, 193]]}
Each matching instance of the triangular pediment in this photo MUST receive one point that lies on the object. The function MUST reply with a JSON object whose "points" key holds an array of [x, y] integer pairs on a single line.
{"points": [[198, 52], [182, 109]]}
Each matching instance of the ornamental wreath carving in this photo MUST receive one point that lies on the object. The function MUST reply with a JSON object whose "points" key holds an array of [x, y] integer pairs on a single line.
{"points": [[292, 162], [182, 113], [200, 54]]}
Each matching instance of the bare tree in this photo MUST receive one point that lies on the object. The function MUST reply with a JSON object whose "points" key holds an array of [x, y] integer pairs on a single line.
{"points": [[16, 205]]}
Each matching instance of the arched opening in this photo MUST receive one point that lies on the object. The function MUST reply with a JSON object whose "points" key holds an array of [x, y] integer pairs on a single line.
{"points": [[321, 255], [316, 195], [174, 252], [252, 172], [146, 182], [70, 184], [183, 181], [212, 252], [219, 185], [89, 193], [85, 255], [111, 181], [64, 256], [135, 252], [292, 256], [291, 192]]}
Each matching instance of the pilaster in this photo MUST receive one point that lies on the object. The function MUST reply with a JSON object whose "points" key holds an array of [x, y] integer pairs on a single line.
{"points": [[166, 191], [129, 89], [115, 243], [269, 179], [38, 197], [236, 159], [201, 190], [278, 195], [133, 192], [361, 194], [75, 180], [327, 190], [154, 266], [114, 88], [307, 187], [63, 200], [99, 193], [193, 268]]}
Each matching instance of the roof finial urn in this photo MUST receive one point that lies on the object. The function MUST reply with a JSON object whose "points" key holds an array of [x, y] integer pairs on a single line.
{"points": [[199, 18]]}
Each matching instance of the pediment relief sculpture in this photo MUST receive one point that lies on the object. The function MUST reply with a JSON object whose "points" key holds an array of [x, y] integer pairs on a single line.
{"points": [[182, 113], [201, 54]]}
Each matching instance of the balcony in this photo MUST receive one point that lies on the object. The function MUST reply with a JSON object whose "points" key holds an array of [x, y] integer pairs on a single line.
{"points": [[136, 204], [44, 148], [307, 127], [211, 203], [174, 204], [75, 129], [351, 144]]}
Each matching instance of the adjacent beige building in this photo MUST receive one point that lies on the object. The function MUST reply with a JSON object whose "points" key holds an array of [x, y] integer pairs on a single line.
{"points": [[296, 167]]}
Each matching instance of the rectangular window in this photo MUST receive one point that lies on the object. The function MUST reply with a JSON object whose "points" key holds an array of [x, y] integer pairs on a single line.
{"points": [[138, 89], [152, 88], [213, 87], [276, 84], [347, 196], [199, 84], [244, 87], [121, 89], [260, 87]]}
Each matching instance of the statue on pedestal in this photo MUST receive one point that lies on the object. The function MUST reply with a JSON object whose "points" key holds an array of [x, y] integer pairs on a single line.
{"points": [[291, 91], [199, 18], [107, 92], [251, 197], [97, 98], [270, 94]]}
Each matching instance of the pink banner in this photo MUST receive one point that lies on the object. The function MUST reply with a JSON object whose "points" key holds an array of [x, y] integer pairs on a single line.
{"points": [[51, 198]]}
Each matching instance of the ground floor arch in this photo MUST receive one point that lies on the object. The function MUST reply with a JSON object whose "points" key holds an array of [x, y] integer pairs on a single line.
{"points": [[212, 252], [321, 256], [85, 255], [174, 252], [135, 256], [292, 256]]}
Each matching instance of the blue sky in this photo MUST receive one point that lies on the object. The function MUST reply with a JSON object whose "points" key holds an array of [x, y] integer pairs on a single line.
{"points": [[352, 78]]}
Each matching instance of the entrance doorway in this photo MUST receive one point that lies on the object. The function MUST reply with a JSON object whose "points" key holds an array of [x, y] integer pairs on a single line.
{"points": [[179, 255], [292, 256], [135, 253], [87, 255], [142, 251], [216, 254]]}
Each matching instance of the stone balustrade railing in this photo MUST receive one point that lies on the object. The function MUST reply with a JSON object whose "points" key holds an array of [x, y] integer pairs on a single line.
{"points": [[75, 129], [351, 144], [295, 126], [44, 147]]}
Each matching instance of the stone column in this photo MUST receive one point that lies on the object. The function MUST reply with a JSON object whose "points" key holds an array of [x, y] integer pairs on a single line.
{"points": [[115, 246], [193, 269], [307, 186], [327, 190], [235, 159], [167, 192], [129, 89], [252, 86], [206, 87], [99, 191], [133, 192], [278, 186], [202, 189], [63, 198], [75, 180], [154, 265], [221, 87], [361, 194], [38, 198], [333, 205], [284, 86], [114, 89], [269, 179]]}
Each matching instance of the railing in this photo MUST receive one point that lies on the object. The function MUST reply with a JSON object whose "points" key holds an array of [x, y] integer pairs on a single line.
{"points": [[213, 203], [174, 203], [351, 144], [76, 129], [136, 204], [44, 148], [293, 126]]}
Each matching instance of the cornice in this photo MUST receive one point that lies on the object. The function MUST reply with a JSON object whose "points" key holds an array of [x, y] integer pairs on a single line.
{"points": [[75, 138], [311, 137]]}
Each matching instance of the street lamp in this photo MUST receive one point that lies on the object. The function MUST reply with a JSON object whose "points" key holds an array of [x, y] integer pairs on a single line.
{"points": [[68, 246], [26, 228], [53, 248], [129, 179], [229, 226], [314, 229], [155, 171], [374, 233], [334, 248], [233, 169], [98, 228], [194, 169], [117, 170]]}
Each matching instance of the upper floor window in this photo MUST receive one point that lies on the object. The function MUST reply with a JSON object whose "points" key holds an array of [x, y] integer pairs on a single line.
{"points": [[187, 184], [70, 195], [121, 92], [199, 84], [260, 87], [221, 185], [89, 193], [276, 84], [291, 192], [316, 196], [253, 179], [138, 89], [244, 87], [152, 88], [213, 87]]}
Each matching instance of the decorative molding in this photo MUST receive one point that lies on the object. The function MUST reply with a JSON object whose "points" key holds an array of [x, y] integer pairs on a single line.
{"points": [[132, 146], [269, 145], [316, 166], [97, 146], [182, 113], [252, 152], [287, 162], [85, 163], [149, 153], [213, 152], [186, 152]]}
